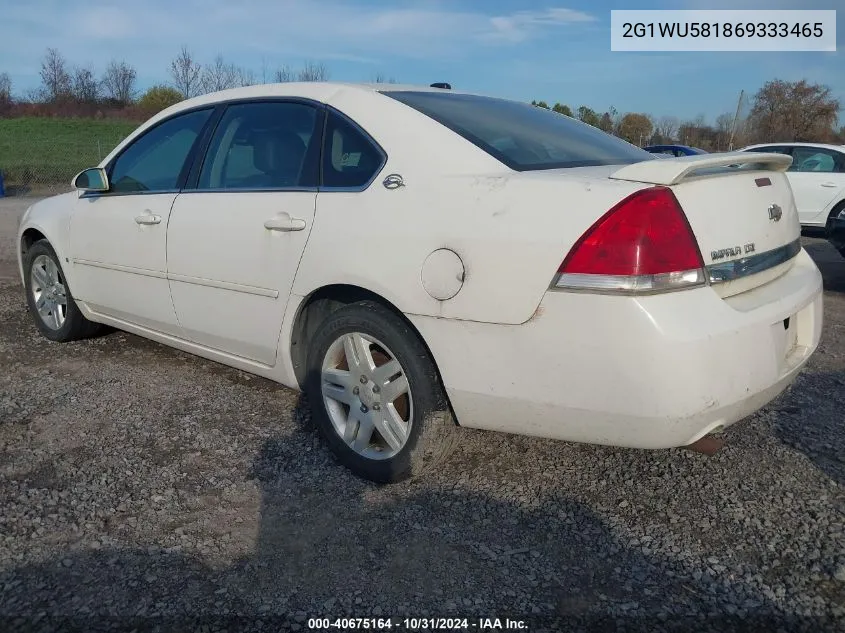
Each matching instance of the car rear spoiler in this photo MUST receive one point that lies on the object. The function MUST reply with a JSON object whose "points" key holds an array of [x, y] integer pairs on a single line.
{"points": [[674, 170]]}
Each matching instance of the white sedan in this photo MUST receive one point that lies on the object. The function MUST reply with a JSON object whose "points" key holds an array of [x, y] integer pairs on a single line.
{"points": [[817, 178], [417, 258]]}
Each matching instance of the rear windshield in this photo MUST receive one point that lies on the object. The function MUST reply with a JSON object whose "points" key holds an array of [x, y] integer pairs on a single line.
{"points": [[522, 136]]}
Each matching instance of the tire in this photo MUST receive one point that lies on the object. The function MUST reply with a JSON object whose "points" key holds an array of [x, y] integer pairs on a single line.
{"points": [[839, 208], [71, 325], [422, 428]]}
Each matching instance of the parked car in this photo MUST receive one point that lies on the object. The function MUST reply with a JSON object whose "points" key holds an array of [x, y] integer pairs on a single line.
{"points": [[817, 178], [674, 150], [411, 257]]}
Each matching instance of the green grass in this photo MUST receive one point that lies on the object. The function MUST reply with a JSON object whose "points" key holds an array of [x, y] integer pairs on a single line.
{"points": [[50, 151]]}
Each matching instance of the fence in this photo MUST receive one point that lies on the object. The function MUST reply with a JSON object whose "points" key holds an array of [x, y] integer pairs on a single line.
{"points": [[44, 167]]}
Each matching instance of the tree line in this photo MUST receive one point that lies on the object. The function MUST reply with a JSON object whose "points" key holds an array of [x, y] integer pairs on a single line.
{"points": [[67, 90], [780, 110]]}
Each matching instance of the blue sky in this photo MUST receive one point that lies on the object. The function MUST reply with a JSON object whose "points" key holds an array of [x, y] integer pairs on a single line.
{"points": [[556, 50]]}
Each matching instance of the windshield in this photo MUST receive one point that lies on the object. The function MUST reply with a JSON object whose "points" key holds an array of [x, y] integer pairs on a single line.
{"points": [[522, 136]]}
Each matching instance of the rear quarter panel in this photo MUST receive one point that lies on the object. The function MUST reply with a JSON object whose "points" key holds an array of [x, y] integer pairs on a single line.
{"points": [[511, 230]]}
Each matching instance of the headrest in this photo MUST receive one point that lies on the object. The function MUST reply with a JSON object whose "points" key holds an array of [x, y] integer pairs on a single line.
{"points": [[277, 151]]}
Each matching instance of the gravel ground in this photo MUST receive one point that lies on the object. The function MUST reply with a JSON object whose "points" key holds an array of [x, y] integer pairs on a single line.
{"points": [[142, 486]]}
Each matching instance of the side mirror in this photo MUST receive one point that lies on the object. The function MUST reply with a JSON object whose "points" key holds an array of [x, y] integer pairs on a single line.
{"points": [[94, 179]]}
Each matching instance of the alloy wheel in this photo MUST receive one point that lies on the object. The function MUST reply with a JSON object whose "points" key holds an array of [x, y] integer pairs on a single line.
{"points": [[367, 395]]}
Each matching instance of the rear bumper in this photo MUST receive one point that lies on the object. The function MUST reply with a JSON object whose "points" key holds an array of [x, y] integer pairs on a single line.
{"points": [[650, 372]]}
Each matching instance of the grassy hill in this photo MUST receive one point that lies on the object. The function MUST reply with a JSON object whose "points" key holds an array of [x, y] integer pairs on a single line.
{"points": [[39, 152]]}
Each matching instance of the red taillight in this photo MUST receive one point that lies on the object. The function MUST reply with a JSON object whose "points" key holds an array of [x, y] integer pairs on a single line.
{"points": [[643, 243]]}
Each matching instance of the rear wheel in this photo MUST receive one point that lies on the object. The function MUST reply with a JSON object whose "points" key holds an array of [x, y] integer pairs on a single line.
{"points": [[375, 395], [839, 208], [838, 239], [51, 305]]}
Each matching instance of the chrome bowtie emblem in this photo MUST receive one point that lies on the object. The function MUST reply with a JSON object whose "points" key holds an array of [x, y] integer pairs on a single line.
{"points": [[775, 212]]}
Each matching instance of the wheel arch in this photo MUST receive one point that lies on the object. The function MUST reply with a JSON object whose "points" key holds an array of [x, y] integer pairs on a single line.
{"points": [[320, 303], [28, 237]]}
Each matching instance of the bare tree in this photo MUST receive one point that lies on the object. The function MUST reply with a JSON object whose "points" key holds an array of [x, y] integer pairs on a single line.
{"points": [[84, 86], [313, 71], [5, 93], [667, 127], [245, 77], [724, 124], [5, 88], [381, 78], [698, 133], [55, 80], [283, 74], [218, 76], [119, 82], [186, 74], [609, 121], [32, 95]]}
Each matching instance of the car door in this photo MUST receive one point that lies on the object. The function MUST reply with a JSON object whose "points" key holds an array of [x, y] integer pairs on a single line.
{"points": [[817, 176], [118, 238], [237, 233]]}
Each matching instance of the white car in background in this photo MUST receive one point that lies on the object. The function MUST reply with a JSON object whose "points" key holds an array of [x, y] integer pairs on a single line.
{"points": [[412, 257], [817, 178]]}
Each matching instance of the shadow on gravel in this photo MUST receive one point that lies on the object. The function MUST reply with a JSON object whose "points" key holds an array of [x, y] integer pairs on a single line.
{"points": [[830, 263], [810, 420], [446, 553]]}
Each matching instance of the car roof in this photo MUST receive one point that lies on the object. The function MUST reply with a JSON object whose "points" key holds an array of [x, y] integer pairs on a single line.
{"points": [[838, 148], [323, 91]]}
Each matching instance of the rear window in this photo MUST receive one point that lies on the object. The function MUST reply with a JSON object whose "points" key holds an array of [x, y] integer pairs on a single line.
{"points": [[522, 136]]}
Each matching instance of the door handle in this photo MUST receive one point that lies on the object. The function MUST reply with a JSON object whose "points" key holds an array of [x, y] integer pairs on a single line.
{"points": [[829, 184], [284, 222], [147, 218]]}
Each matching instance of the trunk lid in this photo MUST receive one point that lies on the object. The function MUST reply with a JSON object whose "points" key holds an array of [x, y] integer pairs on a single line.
{"points": [[740, 208]]}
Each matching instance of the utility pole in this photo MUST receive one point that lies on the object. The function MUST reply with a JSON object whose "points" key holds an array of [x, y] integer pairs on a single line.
{"points": [[736, 118]]}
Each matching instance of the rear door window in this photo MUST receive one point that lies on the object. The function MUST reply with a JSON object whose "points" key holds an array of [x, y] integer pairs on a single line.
{"points": [[771, 149], [814, 159]]}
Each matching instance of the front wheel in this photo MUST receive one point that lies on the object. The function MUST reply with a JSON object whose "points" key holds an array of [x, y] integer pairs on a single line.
{"points": [[51, 305], [375, 395]]}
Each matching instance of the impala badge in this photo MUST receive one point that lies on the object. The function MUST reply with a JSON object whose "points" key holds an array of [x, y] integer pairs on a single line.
{"points": [[775, 212], [393, 181], [734, 251]]}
